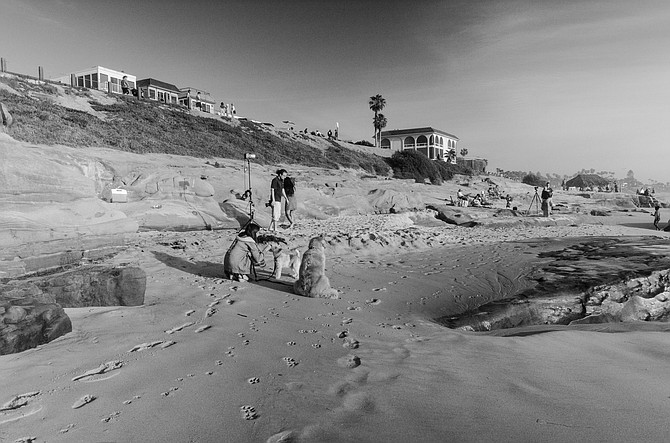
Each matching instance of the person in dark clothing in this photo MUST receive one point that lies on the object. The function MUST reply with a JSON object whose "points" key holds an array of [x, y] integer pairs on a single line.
{"points": [[125, 87], [276, 195], [547, 204], [291, 203]]}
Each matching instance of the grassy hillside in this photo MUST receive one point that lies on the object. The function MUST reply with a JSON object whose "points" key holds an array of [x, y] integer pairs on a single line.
{"points": [[148, 127]]}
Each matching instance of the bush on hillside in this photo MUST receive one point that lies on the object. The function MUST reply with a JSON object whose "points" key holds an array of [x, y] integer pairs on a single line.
{"points": [[364, 143], [448, 170], [353, 159], [413, 164], [533, 180]]}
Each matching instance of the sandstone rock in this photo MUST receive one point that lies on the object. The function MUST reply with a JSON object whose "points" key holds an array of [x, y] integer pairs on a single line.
{"points": [[96, 286], [453, 216], [27, 322]]}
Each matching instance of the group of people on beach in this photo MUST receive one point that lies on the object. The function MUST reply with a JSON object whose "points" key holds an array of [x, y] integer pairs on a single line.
{"points": [[245, 252]]}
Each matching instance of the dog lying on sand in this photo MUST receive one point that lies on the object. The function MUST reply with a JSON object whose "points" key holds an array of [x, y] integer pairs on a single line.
{"points": [[312, 280], [286, 259]]}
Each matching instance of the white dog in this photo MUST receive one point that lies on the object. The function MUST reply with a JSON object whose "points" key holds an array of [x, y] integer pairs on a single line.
{"points": [[286, 260]]}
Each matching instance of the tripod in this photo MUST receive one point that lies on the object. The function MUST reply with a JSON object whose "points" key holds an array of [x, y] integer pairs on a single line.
{"points": [[248, 193], [536, 200]]}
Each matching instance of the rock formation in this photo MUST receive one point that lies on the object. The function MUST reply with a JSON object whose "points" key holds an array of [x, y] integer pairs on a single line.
{"points": [[27, 322], [31, 309]]}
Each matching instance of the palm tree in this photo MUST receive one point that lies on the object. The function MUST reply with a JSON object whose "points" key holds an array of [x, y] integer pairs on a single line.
{"points": [[376, 103], [379, 123]]}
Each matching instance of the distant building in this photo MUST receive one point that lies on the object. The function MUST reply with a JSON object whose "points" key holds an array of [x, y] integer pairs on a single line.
{"points": [[196, 99], [157, 90], [98, 77], [433, 143]]}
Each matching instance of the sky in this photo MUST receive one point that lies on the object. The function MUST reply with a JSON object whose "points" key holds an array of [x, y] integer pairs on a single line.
{"points": [[551, 86]]}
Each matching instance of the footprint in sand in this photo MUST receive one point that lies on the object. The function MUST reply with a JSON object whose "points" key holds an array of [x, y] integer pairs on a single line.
{"points": [[66, 429], [86, 399], [349, 361], [202, 328], [103, 368], [18, 401], [188, 313], [114, 414], [179, 328], [373, 301], [254, 380], [210, 312], [290, 362], [249, 412], [379, 289], [149, 345], [350, 343]]}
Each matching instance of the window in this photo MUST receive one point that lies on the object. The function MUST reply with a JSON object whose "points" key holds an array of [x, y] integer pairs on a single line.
{"points": [[386, 143], [431, 141], [80, 81], [152, 93], [409, 142], [421, 141], [94, 81], [87, 80], [441, 142]]}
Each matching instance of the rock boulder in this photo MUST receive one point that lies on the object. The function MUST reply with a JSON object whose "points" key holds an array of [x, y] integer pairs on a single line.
{"points": [[27, 322]]}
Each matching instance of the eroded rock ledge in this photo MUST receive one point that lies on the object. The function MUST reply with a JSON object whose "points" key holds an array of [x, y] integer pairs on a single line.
{"points": [[637, 299], [31, 309]]}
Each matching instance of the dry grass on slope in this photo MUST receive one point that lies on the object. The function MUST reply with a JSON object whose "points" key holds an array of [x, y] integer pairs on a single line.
{"points": [[148, 127]]}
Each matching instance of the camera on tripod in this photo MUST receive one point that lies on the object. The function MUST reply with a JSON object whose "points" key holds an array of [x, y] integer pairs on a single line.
{"points": [[249, 156]]}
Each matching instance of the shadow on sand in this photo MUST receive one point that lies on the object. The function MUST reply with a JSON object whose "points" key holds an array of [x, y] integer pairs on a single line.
{"points": [[200, 268], [215, 270]]}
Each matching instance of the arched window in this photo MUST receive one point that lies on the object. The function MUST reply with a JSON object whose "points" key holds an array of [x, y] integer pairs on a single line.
{"points": [[386, 143], [421, 141], [441, 142], [409, 142], [431, 140]]}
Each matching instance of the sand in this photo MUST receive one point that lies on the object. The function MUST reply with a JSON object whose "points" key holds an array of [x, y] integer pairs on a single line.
{"points": [[209, 360]]}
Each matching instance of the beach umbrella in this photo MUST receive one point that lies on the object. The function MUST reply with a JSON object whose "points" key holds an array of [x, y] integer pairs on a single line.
{"points": [[586, 181]]}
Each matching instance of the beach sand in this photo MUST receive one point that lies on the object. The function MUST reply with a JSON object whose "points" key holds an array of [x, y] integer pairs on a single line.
{"points": [[210, 360]]}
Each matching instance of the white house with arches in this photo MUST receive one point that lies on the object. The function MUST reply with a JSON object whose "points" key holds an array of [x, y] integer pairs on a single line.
{"points": [[433, 143]]}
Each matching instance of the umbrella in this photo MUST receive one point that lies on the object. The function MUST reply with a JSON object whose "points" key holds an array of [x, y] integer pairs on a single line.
{"points": [[586, 181]]}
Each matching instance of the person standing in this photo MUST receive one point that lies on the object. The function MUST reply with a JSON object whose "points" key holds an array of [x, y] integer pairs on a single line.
{"points": [[547, 204], [276, 194], [657, 216], [125, 87], [291, 203]]}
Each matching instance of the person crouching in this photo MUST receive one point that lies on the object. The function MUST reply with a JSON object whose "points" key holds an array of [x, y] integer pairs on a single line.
{"points": [[244, 253]]}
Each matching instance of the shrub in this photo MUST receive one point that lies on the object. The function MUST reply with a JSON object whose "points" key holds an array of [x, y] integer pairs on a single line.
{"points": [[533, 180], [448, 170], [364, 143], [412, 164]]}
